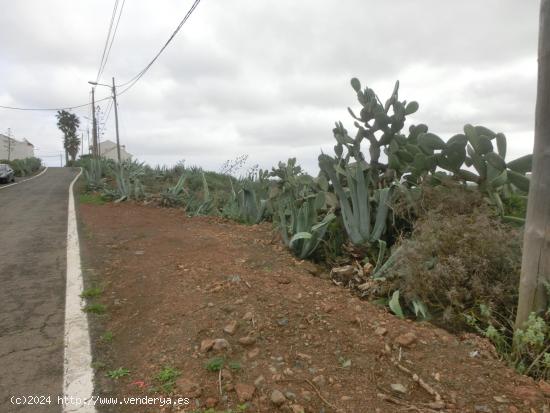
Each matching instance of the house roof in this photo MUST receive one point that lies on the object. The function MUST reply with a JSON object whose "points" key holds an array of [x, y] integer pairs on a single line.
{"points": [[25, 141]]}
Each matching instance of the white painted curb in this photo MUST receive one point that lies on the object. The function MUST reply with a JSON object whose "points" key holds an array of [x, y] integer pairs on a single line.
{"points": [[25, 180], [77, 372]]}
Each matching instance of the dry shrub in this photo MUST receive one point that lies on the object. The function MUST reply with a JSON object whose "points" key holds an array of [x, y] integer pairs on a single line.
{"points": [[459, 256]]}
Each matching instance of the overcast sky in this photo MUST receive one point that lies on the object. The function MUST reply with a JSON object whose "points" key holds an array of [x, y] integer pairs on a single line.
{"points": [[267, 78]]}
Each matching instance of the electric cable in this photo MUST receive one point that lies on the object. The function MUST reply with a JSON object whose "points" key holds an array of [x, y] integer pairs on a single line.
{"points": [[113, 15], [138, 76]]}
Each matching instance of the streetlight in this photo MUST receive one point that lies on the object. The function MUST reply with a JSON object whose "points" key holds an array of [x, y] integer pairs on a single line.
{"points": [[113, 89]]}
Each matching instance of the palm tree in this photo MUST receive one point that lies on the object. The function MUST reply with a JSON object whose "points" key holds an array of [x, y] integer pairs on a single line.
{"points": [[535, 267], [68, 123]]}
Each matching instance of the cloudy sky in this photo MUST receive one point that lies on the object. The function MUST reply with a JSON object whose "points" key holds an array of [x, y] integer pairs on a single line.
{"points": [[267, 78]]}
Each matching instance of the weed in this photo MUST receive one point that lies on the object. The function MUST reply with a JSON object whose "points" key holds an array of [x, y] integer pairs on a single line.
{"points": [[91, 292], [344, 362], [95, 308], [107, 336], [218, 363], [91, 199], [167, 378], [215, 364], [98, 365], [118, 373], [234, 365]]}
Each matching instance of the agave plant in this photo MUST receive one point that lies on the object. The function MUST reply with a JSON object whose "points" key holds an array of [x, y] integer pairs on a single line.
{"points": [[251, 210], [172, 196], [128, 182], [93, 171], [364, 215], [300, 227], [206, 205]]}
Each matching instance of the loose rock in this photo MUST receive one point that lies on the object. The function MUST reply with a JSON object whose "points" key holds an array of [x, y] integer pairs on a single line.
{"points": [[247, 341], [245, 392], [296, 408], [405, 340], [206, 345], [277, 398], [189, 388], [231, 327], [290, 396], [211, 402], [220, 344], [259, 380], [319, 380], [253, 353], [398, 388], [528, 394], [226, 375]]}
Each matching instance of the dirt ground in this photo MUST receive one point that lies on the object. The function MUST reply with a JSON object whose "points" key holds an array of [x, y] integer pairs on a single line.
{"points": [[181, 291]]}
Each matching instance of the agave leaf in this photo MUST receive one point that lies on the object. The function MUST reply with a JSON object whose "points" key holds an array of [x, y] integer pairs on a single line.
{"points": [[499, 180], [299, 236], [381, 213], [381, 252], [519, 180], [395, 306], [420, 309], [513, 220]]}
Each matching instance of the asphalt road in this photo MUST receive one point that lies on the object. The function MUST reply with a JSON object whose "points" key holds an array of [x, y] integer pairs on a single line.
{"points": [[33, 238]]}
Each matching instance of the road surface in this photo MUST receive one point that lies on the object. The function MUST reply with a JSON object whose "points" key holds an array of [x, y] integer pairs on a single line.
{"points": [[33, 238]]}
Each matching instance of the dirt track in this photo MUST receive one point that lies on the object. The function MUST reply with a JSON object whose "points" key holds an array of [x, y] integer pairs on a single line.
{"points": [[173, 283]]}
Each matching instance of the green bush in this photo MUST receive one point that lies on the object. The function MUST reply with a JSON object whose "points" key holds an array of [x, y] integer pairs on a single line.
{"points": [[24, 167], [454, 263]]}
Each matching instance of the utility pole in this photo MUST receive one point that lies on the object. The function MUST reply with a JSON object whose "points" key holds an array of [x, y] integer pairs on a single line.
{"points": [[116, 122], [535, 264], [95, 150], [9, 144], [113, 89]]}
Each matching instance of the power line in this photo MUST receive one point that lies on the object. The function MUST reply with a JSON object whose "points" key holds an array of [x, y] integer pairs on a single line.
{"points": [[113, 15], [136, 78], [107, 115], [106, 50], [52, 109], [112, 41]]}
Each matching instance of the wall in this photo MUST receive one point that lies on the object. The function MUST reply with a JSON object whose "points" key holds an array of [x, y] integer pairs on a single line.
{"points": [[18, 149]]}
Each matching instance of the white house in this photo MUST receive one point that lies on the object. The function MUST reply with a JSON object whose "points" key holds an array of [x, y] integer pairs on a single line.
{"points": [[107, 149], [11, 148]]}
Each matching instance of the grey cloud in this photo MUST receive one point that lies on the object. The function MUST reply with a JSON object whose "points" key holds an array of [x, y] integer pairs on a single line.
{"points": [[268, 78]]}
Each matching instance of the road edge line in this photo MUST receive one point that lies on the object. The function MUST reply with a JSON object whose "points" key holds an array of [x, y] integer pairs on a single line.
{"points": [[77, 360], [25, 180]]}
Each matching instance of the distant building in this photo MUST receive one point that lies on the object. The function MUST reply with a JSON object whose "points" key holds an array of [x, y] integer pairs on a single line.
{"points": [[11, 148], [107, 149]]}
